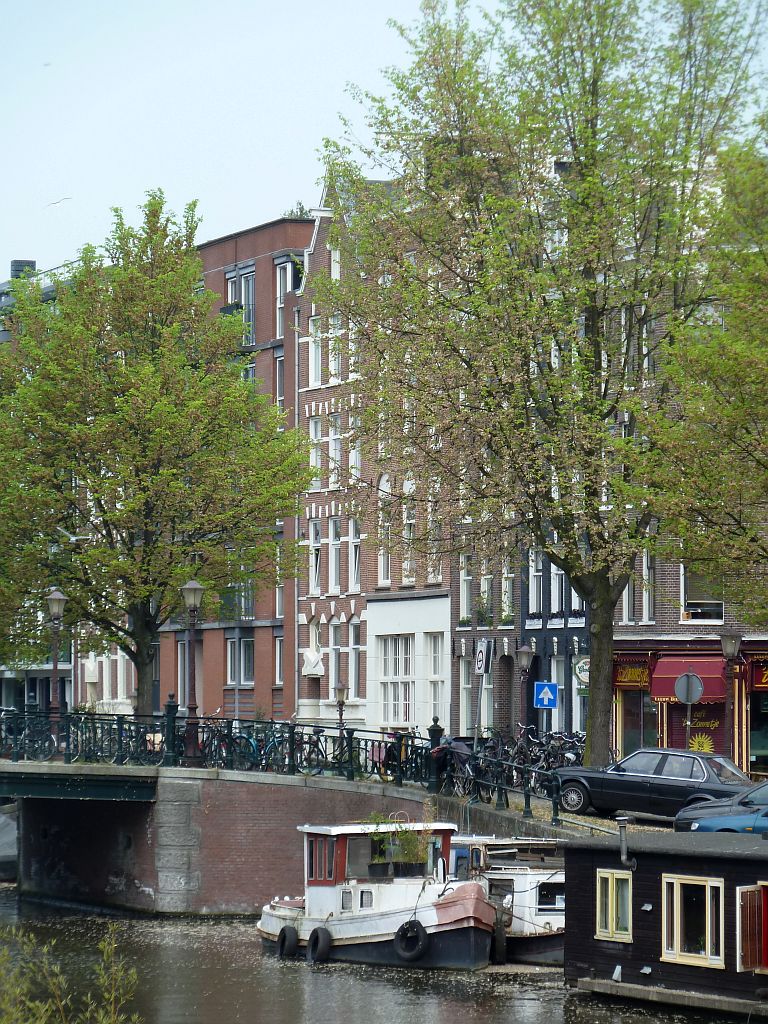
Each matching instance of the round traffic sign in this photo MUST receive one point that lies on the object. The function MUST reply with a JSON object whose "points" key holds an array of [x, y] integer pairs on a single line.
{"points": [[689, 688]]}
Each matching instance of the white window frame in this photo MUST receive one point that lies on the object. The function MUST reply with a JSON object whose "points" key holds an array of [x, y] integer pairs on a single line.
{"points": [[280, 385], [334, 555], [671, 951], [385, 537], [466, 670], [315, 555], [686, 612], [316, 452], [649, 587], [334, 655], [409, 535], [535, 581], [465, 587], [282, 287], [628, 602], [334, 450], [507, 592], [279, 661], [557, 590], [434, 643], [354, 658], [353, 566], [397, 679], [248, 300], [232, 663], [315, 353], [486, 594], [355, 455], [247, 663], [608, 928]]}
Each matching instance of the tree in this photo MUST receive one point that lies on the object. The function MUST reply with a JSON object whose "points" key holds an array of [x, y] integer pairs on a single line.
{"points": [[718, 444], [134, 455], [544, 223]]}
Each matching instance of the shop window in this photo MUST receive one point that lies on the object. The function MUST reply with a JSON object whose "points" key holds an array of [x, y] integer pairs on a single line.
{"points": [[692, 920]]}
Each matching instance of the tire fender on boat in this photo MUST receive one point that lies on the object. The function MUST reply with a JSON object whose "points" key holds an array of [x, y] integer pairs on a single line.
{"points": [[318, 945], [411, 940], [287, 941]]}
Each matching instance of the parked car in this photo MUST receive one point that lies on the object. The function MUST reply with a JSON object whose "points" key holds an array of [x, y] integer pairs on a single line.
{"points": [[743, 812], [652, 781]]}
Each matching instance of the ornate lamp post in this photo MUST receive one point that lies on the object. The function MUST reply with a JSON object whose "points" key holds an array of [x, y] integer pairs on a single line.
{"points": [[730, 641], [525, 656], [56, 602], [192, 592]]}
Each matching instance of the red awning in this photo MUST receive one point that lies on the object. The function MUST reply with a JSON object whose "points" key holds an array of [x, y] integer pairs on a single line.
{"points": [[711, 670]]}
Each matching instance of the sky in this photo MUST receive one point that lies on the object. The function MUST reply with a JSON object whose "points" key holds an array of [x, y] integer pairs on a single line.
{"points": [[227, 104]]}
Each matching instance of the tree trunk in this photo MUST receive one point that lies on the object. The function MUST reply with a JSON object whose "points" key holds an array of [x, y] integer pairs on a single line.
{"points": [[143, 657], [600, 714]]}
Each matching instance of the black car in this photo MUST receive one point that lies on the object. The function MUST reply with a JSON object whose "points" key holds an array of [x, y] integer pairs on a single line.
{"points": [[651, 781]]}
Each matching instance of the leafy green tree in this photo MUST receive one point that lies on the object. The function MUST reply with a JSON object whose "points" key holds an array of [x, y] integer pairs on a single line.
{"points": [[134, 455], [543, 217], [717, 445]]}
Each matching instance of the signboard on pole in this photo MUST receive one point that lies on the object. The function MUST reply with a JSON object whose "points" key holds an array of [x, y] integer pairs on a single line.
{"points": [[483, 657], [545, 696]]}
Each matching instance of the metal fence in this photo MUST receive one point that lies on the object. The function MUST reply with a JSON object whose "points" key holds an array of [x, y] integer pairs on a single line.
{"points": [[436, 763]]}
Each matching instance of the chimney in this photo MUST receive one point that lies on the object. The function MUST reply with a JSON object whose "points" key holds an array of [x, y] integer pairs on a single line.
{"points": [[21, 267]]}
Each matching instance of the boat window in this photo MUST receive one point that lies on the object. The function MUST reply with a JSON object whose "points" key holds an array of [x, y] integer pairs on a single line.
{"points": [[461, 862], [477, 859], [329, 859], [366, 899], [346, 899], [358, 856], [551, 896], [502, 893], [311, 858]]}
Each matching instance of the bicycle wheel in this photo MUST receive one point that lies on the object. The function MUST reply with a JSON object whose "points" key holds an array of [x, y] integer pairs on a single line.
{"points": [[274, 759], [40, 748], [387, 766], [314, 760], [243, 754]]}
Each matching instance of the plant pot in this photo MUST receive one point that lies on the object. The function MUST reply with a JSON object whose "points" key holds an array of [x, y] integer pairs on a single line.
{"points": [[379, 869], [409, 869]]}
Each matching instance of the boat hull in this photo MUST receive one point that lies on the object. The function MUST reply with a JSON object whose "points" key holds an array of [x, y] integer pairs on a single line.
{"points": [[545, 949]]}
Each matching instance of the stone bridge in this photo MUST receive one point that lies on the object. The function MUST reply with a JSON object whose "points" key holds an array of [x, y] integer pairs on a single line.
{"points": [[197, 841]]}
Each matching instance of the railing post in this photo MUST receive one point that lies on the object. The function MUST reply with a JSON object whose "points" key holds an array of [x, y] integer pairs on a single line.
{"points": [[169, 755], [527, 812], [16, 721], [555, 794], [398, 741], [120, 756], [502, 799], [229, 761], [65, 721], [350, 755], [291, 766], [435, 735]]}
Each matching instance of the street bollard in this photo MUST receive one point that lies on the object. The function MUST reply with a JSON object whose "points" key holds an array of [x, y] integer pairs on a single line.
{"points": [[555, 794], [169, 755], [291, 766], [527, 812]]}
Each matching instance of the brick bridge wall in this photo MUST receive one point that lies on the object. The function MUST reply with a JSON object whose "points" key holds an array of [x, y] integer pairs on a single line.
{"points": [[212, 843]]}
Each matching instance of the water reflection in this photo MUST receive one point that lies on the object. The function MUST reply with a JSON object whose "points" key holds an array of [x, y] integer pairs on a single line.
{"points": [[214, 972]]}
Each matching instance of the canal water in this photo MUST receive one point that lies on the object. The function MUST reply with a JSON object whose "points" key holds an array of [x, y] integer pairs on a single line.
{"points": [[214, 972]]}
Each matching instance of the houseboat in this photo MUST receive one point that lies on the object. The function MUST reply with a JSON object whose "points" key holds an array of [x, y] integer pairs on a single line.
{"points": [[677, 918], [524, 878], [380, 894]]}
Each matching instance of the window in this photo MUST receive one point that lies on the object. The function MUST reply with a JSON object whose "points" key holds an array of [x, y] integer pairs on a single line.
{"points": [[355, 452], [409, 533], [434, 642], [283, 286], [334, 558], [701, 599], [334, 450], [466, 724], [396, 679], [692, 920], [385, 532], [628, 602], [535, 577], [231, 290], [485, 604], [334, 662], [353, 352], [507, 592], [354, 658], [354, 555], [578, 605], [315, 636], [649, 587], [335, 265], [279, 600], [246, 662], [434, 561], [315, 352], [465, 589], [249, 308], [231, 662], [556, 591], [280, 383], [315, 555], [278, 661], [751, 912], [614, 906], [315, 452]]}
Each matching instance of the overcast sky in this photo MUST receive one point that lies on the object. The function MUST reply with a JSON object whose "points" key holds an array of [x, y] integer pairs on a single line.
{"points": [[224, 103]]}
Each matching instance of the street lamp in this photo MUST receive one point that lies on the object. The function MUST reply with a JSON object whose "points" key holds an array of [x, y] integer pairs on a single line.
{"points": [[525, 656], [341, 692], [730, 641], [56, 601], [192, 592]]}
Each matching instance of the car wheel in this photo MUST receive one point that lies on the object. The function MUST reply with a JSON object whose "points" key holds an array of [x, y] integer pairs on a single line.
{"points": [[732, 831], [574, 798]]}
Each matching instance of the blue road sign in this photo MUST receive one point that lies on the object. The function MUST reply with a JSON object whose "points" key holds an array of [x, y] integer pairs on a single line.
{"points": [[545, 695]]}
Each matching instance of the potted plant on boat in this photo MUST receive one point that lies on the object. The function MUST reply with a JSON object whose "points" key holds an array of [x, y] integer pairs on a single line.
{"points": [[410, 853]]}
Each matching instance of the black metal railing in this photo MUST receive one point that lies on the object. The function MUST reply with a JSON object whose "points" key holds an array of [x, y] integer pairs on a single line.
{"points": [[435, 763]]}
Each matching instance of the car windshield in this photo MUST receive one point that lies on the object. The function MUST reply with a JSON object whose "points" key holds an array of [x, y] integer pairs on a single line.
{"points": [[726, 770]]}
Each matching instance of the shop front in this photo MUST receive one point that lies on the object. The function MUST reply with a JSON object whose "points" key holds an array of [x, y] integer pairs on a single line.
{"points": [[758, 717], [707, 729], [636, 714]]}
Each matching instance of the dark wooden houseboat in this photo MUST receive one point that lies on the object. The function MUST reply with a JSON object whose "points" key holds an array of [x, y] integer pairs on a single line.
{"points": [[670, 918]]}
